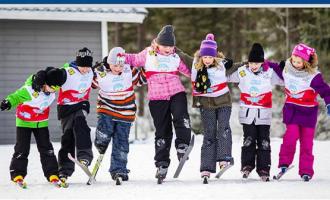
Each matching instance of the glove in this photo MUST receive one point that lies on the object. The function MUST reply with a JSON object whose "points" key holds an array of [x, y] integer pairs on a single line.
{"points": [[98, 65], [282, 64], [328, 107], [5, 105], [228, 63], [39, 80]]}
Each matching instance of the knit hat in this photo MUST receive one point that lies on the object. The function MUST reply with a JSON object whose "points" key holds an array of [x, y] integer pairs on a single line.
{"points": [[55, 77], [166, 36], [303, 51], [256, 53], [208, 46], [116, 56], [84, 58]]}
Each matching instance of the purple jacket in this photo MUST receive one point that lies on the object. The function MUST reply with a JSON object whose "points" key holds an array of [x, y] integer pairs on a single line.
{"points": [[304, 116]]}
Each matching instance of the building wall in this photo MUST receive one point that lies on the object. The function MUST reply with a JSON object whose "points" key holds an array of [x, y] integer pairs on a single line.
{"points": [[28, 46]]}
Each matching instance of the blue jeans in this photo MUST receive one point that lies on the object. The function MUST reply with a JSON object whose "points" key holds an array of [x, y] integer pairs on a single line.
{"points": [[108, 128]]}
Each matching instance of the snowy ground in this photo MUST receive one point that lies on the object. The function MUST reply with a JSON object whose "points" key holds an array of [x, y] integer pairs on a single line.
{"points": [[142, 184]]}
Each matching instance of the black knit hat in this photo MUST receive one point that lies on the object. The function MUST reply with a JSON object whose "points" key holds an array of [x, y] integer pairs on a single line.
{"points": [[84, 58], [166, 36], [256, 54], [55, 77]]}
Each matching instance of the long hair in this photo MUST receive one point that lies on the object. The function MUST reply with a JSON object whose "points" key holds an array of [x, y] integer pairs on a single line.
{"points": [[311, 65], [199, 61]]}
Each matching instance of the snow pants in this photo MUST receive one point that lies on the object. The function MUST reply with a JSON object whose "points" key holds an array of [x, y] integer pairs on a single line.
{"points": [[19, 161], [164, 113], [288, 148], [217, 141]]}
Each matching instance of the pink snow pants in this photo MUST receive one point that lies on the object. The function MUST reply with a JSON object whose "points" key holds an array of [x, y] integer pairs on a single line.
{"points": [[288, 148]]}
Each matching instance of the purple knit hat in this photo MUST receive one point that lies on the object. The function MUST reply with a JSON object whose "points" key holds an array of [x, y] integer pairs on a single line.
{"points": [[303, 51], [208, 46]]}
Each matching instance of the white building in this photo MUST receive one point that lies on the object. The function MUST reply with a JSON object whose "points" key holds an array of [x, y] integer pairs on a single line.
{"points": [[33, 37]]}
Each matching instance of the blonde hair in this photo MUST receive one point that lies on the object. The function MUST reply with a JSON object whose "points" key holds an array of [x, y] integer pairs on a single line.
{"points": [[311, 66], [199, 61]]}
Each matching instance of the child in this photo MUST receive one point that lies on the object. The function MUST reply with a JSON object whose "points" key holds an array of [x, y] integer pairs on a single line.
{"points": [[168, 101], [72, 107], [302, 84], [116, 109], [32, 101], [255, 82], [211, 94]]}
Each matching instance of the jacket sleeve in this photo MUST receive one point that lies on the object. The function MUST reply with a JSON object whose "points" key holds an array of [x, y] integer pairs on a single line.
{"points": [[184, 69], [276, 80], [233, 77], [20, 96], [136, 60], [188, 60], [234, 68], [139, 77], [277, 69], [321, 87]]}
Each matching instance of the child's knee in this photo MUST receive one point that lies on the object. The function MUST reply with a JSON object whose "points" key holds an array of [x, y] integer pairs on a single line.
{"points": [[264, 145]]}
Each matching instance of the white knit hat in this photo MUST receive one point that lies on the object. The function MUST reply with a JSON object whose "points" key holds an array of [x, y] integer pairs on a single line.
{"points": [[116, 56]]}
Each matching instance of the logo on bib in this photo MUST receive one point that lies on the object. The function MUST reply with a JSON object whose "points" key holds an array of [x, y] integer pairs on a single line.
{"points": [[35, 94], [102, 74], [242, 73], [71, 71]]}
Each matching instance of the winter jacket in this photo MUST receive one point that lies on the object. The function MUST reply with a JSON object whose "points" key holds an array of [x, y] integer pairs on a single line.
{"points": [[249, 113], [162, 74], [32, 107], [303, 115], [116, 96], [210, 102], [74, 93]]}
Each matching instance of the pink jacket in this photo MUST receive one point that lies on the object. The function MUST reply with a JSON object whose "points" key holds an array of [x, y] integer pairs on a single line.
{"points": [[160, 86]]}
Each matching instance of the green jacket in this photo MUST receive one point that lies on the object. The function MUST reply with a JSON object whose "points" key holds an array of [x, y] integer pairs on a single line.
{"points": [[209, 102], [20, 96]]}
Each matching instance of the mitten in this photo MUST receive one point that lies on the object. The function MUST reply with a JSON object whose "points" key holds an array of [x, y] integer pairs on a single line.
{"points": [[5, 105]]}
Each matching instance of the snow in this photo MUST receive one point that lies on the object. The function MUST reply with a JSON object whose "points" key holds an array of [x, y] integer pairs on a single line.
{"points": [[142, 184]]}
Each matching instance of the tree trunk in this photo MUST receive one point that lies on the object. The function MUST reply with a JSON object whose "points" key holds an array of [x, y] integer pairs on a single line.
{"points": [[118, 33]]}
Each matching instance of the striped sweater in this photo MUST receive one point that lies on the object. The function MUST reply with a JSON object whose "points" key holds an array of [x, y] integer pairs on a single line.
{"points": [[116, 96]]}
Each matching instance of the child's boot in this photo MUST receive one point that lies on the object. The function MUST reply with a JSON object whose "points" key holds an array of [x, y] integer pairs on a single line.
{"points": [[205, 176], [264, 175], [246, 171], [19, 180], [161, 174], [63, 179], [306, 177]]}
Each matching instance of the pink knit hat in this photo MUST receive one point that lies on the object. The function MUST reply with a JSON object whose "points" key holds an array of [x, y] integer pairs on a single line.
{"points": [[303, 51]]}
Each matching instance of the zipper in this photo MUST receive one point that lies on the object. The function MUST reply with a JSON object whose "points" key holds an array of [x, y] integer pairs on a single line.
{"points": [[247, 112], [258, 113]]}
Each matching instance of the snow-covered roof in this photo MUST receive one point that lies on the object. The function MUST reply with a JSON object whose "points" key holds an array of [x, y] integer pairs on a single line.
{"points": [[76, 12]]}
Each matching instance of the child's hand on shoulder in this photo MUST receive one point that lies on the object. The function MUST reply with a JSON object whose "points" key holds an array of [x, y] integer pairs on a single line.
{"points": [[282, 64], [228, 63]]}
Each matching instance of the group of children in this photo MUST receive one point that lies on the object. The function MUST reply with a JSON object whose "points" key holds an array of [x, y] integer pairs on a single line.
{"points": [[159, 66]]}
